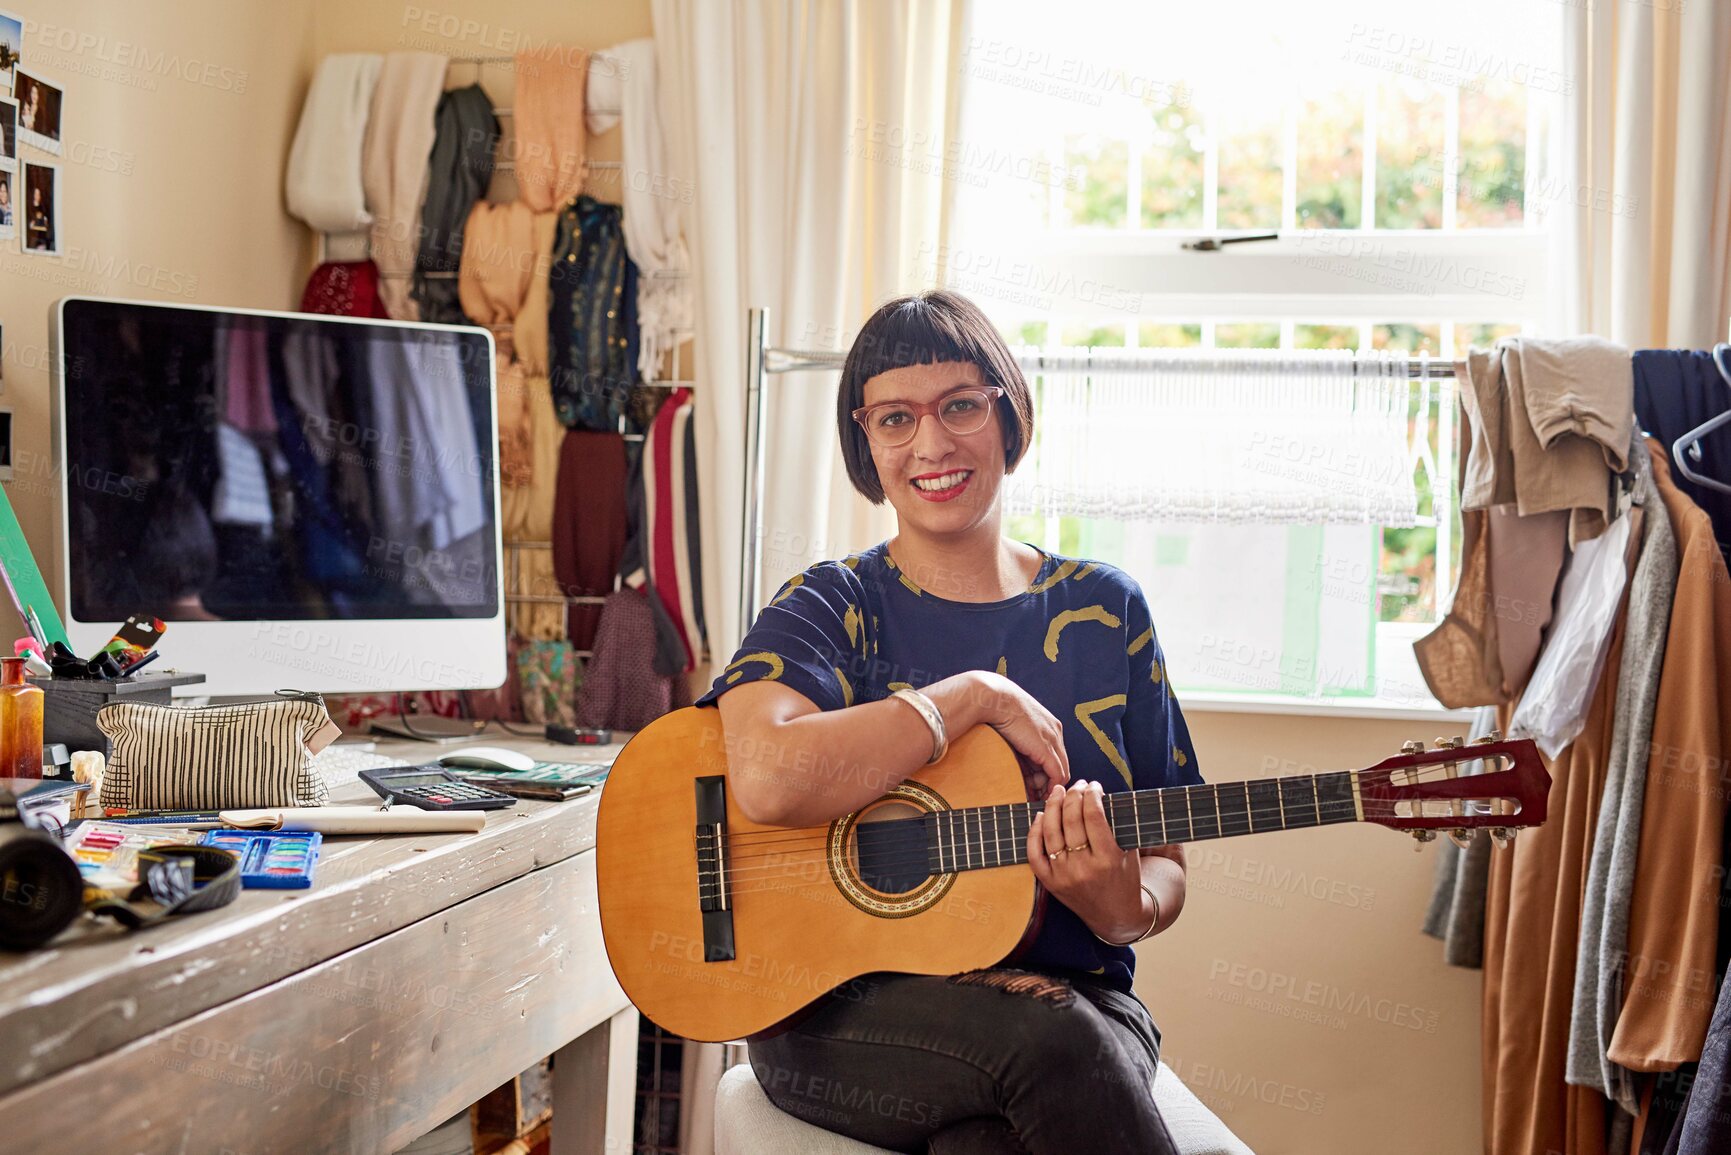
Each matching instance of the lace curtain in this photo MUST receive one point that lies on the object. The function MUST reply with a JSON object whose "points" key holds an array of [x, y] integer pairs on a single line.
{"points": [[1242, 436]]}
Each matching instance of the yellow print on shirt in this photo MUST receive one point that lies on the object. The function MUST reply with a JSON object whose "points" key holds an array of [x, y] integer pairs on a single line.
{"points": [[772, 660], [1086, 614], [1085, 712]]}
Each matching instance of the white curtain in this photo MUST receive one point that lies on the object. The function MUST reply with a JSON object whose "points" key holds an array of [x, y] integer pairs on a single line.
{"points": [[1246, 437], [809, 135], [1637, 176]]}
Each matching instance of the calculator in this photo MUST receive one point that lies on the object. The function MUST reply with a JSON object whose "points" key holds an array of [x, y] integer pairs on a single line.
{"points": [[432, 788]]}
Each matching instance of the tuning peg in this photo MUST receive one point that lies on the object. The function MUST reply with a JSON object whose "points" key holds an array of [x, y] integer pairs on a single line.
{"points": [[1454, 743], [1414, 747], [1488, 739], [1420, 837], [1502, 835], [1461, 837]]}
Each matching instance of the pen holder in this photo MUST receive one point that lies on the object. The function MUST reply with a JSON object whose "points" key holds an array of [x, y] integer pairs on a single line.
{"points": [[70, 705]]}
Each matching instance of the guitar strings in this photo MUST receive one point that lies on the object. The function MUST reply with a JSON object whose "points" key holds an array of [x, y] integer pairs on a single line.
{"points": [[921, 857]]}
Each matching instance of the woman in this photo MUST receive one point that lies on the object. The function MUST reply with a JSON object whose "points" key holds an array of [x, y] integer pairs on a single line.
{"points": [[1052, 1053], [38, 228]]}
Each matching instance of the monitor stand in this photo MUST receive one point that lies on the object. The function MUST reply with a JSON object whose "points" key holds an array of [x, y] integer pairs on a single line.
{"points": [[429, 729]]}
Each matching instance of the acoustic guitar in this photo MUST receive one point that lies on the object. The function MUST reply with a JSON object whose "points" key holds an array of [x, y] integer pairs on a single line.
{"points": [[719, 928]]}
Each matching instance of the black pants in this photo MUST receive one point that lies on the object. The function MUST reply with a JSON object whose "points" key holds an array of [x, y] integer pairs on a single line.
{"points": [[988, 1061]]}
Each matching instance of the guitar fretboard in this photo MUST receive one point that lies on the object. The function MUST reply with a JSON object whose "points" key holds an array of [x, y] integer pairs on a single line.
{"points": [[983, 836]]}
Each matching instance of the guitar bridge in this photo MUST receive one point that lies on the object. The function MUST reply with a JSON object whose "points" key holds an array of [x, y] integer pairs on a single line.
{"points": [[713, 884]]}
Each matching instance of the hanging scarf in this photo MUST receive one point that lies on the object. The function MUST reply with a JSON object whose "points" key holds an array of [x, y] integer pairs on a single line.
{"points": [[527, 510], [323, 183], [625, 81], [547, 121], [344, 289], [592, 321], [457, 175], [394, 169], [498, 262]]}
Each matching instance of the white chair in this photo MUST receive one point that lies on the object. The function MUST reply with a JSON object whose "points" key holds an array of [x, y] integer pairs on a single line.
{"points": [[747, 1123]]}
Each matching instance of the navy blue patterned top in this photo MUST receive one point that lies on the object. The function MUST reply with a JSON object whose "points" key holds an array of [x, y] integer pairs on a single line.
{"points": [[1080, 640]]}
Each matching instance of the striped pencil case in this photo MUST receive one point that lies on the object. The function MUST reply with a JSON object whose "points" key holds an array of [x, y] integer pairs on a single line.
{"points": [[252, 754]]}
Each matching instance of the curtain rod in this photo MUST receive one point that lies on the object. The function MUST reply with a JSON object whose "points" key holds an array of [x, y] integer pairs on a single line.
{"points": [[777, 360]]}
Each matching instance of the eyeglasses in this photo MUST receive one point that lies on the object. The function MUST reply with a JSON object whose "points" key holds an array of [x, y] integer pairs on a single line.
{"points": [[962, 411]]}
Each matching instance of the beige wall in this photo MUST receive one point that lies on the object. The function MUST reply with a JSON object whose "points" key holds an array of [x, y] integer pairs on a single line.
{"points": [[176, 126], [172, 191], [1297, 996]]}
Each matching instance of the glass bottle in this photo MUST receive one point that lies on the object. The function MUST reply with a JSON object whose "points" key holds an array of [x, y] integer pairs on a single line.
{"points": [[20, 722]]}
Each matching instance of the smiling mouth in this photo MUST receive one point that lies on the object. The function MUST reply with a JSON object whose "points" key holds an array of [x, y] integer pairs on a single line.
{"points": [[942, 482]]}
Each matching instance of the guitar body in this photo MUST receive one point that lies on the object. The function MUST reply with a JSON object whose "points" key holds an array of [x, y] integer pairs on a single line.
{"points": [[802, 916]]}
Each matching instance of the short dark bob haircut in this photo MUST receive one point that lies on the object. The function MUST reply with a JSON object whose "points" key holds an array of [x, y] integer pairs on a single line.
{"points": [[928, 328]]}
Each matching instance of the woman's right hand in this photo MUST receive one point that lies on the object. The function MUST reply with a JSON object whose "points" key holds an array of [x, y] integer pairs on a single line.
{"points": [[1032, 731]]}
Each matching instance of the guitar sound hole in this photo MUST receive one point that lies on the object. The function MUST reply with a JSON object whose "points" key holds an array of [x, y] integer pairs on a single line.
{"points": [[889, 848]]}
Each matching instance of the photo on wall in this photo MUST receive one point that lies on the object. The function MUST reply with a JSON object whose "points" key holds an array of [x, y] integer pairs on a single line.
{"points": [[9, 135], [11, 47], [40, 207], [38, 111], [8, 214]]}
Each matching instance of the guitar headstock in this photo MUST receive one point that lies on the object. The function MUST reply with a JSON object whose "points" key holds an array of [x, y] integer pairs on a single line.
{"points": [[1423, 791]]}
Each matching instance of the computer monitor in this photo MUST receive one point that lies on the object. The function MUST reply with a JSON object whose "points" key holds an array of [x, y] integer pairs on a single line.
{"points": [[309, 502]]}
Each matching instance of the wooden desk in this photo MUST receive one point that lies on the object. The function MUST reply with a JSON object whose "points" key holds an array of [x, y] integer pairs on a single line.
{"points": [[418, 973]]}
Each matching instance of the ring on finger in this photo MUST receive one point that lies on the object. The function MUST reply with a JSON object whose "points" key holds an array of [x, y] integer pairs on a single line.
{"points": [[1076, 849], [1054, 854]]}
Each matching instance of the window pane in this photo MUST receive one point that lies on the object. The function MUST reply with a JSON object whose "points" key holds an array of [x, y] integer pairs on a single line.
{"points": [[1407, 338], [1097, 193], [1159, 335], [1027, 333], [1409, 139], [1247, 335], [1096, 335], [1407, 580], [1325, 336], [1330, 159], [1250, 173], [1493, 160], [1481, 336], [1172, 166]]}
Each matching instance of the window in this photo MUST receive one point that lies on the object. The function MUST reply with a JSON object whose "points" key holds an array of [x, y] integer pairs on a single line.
{"points": [[1391, 151]]}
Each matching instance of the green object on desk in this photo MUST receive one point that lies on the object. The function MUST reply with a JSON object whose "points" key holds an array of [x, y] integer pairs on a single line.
{"points": [[24, 578]]}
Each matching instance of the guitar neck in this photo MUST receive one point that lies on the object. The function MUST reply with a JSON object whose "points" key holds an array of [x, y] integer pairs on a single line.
{"points": [[985, 836]]}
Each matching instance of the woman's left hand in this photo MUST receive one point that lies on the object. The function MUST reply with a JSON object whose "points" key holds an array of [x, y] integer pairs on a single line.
{"points": [[1074, 854]]}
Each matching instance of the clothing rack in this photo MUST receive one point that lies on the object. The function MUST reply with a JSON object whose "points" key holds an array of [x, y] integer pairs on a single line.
{"points": [[762, 360]]}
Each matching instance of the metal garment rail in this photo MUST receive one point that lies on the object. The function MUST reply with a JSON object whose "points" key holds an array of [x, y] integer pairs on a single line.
{"points": [[762, 360]]}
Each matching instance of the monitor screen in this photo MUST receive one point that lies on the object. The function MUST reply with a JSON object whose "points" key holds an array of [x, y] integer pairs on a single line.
{"points": [[243, 466]]}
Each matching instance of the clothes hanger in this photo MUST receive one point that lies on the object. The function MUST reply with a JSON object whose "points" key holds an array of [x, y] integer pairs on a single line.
{"points": [[1688, 446]]}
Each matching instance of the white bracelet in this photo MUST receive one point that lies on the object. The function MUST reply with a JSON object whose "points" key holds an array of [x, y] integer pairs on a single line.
{"points": [[934, 718]]}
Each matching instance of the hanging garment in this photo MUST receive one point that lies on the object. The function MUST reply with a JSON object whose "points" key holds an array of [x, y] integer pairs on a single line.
{"points": [[322, 185], [589, 524], [624, 80], [465, 135], [1551, 421], [527, 510], [1510, 565], [497, 267], [1599, 969], [1553, 707], [547, 126], [1677, 390], [246, 380], [1674, 904], [344, 289], [394, 168], [592, 319], [1705, 1127], [548, 675], [662, 553], [621, 689], [1457, 903]]}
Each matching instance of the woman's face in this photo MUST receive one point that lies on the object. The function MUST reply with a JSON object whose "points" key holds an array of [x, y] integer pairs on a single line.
{"points": [[936, 455]]}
